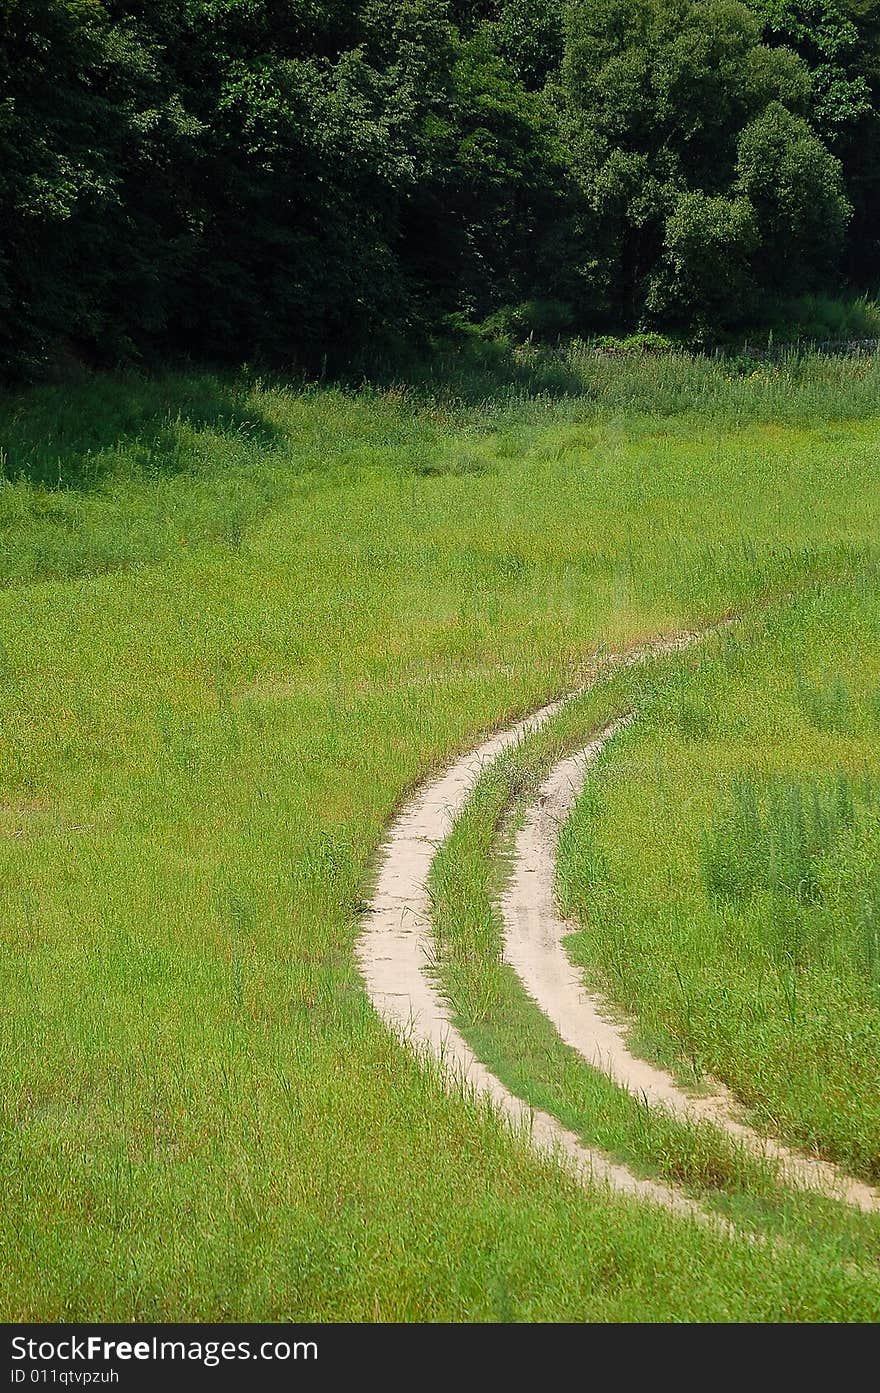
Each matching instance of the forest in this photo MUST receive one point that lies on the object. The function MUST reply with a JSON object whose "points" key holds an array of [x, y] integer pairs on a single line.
{"points": [[302, 182], [439, 671]]}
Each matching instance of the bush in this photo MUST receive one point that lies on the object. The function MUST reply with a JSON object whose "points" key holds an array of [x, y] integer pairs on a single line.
{"points": [[706, 275]]}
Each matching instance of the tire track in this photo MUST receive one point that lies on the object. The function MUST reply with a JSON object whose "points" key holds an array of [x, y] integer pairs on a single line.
{"points": [[394, 953]]}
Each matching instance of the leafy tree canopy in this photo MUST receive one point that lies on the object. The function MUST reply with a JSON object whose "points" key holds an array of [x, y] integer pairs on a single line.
{"points": [[293, 179]]}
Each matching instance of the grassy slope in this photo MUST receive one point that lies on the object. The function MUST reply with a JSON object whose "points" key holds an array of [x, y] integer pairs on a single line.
{"points": [[509, 1032], [725, 863], [201, 1116]]}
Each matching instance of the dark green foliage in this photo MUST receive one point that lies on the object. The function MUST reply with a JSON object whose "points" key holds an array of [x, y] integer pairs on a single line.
{"points": [[302, 180], [839, 40], [708, 248], [827, 38], [224, 176], [795, 186], [531, 36], [703, 180]]}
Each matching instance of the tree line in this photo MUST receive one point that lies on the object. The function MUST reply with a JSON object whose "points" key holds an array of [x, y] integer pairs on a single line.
{"points": [[290, 180]]}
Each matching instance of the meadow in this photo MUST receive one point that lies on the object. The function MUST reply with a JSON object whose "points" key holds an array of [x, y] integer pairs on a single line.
{"points": [[240, 619], [748, 878]]}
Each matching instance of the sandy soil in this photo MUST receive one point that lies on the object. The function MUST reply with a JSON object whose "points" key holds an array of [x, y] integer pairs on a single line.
{"points": [[395, 950]]}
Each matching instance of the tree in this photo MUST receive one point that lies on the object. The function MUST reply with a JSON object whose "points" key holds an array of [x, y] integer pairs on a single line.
{"points": [[491, 188], [705, 275], [84, 118], [795, 186], [292, 179], [839, 41], [530, 34], [656, 98], [826, 38]]}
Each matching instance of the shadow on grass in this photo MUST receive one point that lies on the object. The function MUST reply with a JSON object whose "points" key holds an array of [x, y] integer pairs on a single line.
{"points": [[472, 370], [71, 436]]}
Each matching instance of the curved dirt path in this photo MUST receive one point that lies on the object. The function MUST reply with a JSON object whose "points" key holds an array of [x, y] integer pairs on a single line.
{"points": [[533, 946], [394, 953]]}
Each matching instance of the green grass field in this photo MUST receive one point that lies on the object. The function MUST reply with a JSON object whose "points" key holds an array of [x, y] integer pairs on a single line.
{"points": [[239, 621], [726, 864]]}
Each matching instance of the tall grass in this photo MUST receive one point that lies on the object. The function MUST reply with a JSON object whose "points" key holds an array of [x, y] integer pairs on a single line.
{"points": [[238, 620], [726, 869], [772, 839], [114, 472], [509, 1032]]}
